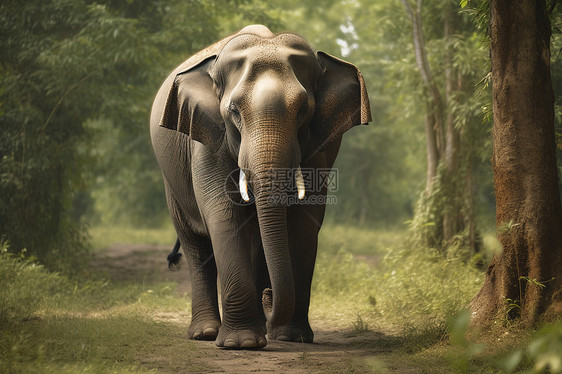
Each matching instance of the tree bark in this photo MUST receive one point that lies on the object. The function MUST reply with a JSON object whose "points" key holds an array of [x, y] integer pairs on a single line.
{"points": [[434, 112], [453, 82], [453, 214], [527, 276], [432, 152], [470, 219]]}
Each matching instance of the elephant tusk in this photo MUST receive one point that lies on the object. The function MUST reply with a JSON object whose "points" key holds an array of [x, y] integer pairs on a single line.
{"points": [[243, 183], [300, 183]]}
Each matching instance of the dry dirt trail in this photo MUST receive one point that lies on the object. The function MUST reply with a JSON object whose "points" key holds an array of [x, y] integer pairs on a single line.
{"points": [[334, 350]]}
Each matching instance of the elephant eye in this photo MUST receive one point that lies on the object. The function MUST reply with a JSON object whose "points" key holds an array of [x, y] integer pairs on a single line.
{"points": [[235, 114]]}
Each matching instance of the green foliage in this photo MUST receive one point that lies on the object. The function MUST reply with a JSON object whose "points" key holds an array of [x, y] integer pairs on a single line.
{"points": [[343, 274], [77, 79], [25, 287], [359, 240], [424, 288], [545, 350], [426, 226], [447, 200], [542, 354], [506, 227], [401, 92], [60, 56], [458, 326], [413, 288], [374, 160], [359, 325], [512, 308]]}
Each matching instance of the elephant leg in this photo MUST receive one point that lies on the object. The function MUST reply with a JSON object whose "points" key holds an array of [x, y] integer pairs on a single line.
{"points": [[304, 224], [241, 326], [205, 318]]}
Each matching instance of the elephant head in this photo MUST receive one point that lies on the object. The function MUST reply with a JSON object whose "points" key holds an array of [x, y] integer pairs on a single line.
{"points": [[267, 99]]}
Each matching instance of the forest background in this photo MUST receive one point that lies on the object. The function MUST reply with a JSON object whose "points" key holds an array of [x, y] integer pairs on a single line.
{"points": [[77, 171], [78, 79]]}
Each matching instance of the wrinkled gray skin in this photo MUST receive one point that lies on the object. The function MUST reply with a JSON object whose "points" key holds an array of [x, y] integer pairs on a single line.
{"points": [[253, 101]]}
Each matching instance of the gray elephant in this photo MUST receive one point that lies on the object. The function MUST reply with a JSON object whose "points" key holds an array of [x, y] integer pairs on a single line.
{"points": [[233, 129]]}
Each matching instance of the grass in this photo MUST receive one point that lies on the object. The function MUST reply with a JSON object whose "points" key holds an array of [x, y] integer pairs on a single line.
{"points": [[410, 288], [358, 241], [410, 294], [115, 342], [395, 301], [50, 324]]}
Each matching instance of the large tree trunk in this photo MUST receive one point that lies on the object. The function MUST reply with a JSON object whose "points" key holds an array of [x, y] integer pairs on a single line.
{"points": [[528, 274]]}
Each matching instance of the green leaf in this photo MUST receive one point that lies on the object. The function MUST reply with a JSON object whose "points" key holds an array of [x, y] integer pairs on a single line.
{"points": [[458, 326], [511, 362]]}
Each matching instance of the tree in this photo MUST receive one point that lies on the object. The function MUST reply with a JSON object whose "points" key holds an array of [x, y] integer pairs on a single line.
{"points": [[77, 80], [445, 211], [525, 281], [434, 112], [39, 162]]}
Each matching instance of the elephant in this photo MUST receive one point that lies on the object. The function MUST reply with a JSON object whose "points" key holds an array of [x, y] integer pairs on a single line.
{"points": [[223, 124]]}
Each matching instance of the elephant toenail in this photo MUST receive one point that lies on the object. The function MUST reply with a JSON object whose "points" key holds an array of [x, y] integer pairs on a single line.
{"points": [[210, 332], [230, 343], [248, 343]]}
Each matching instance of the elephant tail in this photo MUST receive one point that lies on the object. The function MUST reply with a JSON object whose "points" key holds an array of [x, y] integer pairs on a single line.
{"points": [[174, 257]]}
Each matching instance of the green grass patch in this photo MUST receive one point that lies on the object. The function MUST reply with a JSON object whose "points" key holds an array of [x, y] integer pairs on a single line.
{"points": [[412, 288], [120, 342], [357, 240], [25, 287], [51, 324]]}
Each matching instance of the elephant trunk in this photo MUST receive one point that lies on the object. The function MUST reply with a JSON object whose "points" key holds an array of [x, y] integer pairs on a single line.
{"points": [[271, 151], [279, 301]]}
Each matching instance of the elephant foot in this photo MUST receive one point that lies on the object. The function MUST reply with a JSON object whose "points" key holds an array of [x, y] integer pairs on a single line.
{"points": [[291, 332], [241, 339], [203, 330]]}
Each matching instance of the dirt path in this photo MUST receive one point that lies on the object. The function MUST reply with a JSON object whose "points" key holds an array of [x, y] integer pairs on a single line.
{"points": [[334, 350]]}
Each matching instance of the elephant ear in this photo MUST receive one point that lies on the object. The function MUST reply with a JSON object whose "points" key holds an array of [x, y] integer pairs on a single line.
{"points": [[341, 100], [192, 106]]}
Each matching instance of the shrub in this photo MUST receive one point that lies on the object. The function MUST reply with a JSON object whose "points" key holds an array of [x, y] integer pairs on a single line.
{"points": [[25, 286], [421, 285]]}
